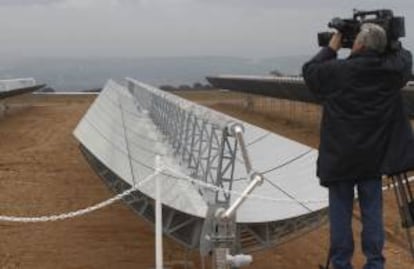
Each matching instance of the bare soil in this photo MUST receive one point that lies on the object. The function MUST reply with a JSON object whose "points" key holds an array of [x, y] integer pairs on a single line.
{"points": [[42, 172]]}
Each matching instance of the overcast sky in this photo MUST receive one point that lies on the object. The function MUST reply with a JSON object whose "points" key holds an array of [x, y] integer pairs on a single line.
{"points": [[147, 28]]}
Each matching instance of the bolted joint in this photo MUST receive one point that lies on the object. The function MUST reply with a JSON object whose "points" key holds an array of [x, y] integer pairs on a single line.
{"points": [[219, 214], [255, 176], [235, 129]]}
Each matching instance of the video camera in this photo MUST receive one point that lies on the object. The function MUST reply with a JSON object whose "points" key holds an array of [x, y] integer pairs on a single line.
{"points": [[349, 28]]}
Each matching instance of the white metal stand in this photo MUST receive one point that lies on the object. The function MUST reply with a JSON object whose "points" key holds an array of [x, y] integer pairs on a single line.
{"points": [[158, 217], [224, 235]]}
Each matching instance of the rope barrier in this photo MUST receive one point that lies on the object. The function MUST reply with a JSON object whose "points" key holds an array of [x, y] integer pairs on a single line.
{"points": [[79, 212], [181, 176], [218, 189], [260, 197]]}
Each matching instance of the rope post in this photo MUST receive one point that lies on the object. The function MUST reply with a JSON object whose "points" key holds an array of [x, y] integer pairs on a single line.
{"points": [[158, 216]]}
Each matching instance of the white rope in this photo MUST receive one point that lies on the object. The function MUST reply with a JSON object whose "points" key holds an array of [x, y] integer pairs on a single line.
{"points": [[135, 187], [80, 212], [259, 197], [255, 196]]}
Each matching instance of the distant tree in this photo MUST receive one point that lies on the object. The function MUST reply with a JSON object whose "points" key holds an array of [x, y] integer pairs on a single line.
{"points": [[276, 73], [208, 86], [46, 89], [93, 90], [184, 87], [198, 86], [167, 88]]}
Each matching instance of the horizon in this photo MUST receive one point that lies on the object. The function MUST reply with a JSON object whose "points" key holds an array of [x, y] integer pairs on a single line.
{"points": [[72, 74]]}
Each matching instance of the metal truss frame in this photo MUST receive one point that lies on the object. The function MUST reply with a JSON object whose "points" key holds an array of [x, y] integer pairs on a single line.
{"points": [[202, 144]]}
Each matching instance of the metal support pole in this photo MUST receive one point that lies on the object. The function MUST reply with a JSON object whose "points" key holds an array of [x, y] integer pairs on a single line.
{"points": [[405, 202], [238, 133], [256, 181], [158, 217]]}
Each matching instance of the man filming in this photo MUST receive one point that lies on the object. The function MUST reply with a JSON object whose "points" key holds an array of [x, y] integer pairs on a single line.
{"points": [[365, 133]]}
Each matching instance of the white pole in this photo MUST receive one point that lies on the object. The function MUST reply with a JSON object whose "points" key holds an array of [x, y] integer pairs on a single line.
{"points": [[158, 217]]}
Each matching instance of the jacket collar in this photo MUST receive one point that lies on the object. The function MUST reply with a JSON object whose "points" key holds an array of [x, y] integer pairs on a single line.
{"points": [[365, 53]]}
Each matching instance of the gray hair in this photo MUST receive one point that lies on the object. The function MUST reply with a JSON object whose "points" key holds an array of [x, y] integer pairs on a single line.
{"points": [[372, 36]]}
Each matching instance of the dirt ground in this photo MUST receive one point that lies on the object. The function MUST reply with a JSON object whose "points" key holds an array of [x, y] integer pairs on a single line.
{"points": [[42, 172]]}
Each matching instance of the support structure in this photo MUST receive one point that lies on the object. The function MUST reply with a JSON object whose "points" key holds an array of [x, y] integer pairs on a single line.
{"points": [[405, 201], [224, 226]]}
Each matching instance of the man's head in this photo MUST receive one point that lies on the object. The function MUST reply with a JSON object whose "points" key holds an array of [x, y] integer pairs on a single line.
{"points": [[370, 37]]}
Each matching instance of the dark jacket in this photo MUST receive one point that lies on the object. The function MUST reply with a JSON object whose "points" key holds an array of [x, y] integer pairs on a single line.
{"points": [[365, 130]]}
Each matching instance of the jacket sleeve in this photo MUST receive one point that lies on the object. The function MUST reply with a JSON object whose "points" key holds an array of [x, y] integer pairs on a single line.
{"points": [[322, 73], [401, 62]]}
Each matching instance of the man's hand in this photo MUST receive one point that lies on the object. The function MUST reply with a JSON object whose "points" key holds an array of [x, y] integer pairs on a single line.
{"points": [[336, 42]]}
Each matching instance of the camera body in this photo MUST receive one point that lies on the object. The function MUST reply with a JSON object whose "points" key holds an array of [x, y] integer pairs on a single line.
{"points": [[349, 28]]}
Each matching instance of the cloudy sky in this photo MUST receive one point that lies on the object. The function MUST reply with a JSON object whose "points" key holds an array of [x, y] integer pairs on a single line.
{"points": [[147, 28]]}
